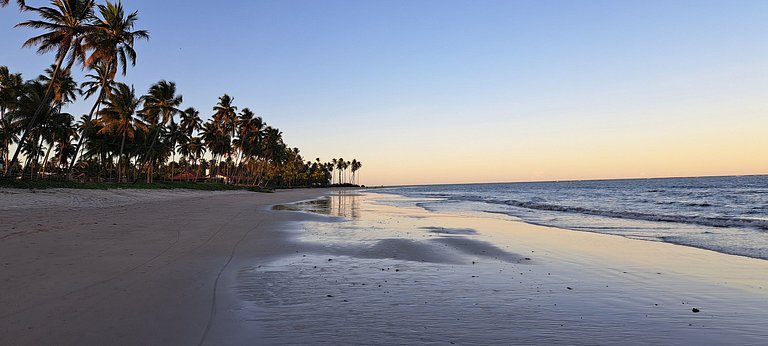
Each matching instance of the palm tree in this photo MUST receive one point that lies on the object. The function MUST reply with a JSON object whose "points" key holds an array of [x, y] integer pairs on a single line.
{"points": [[196, 150], [66, 24], [190, 121], [333, 163], [117, 118], [355, 166], [64, 88], [341, 166], [160, 106], [226, 114], [27, 106], [174, 137], [64, 91], [11, 86], [59, 129], [111, 40]]}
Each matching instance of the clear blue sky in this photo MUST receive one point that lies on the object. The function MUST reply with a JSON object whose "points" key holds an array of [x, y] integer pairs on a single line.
{"points": [[462, 91]]}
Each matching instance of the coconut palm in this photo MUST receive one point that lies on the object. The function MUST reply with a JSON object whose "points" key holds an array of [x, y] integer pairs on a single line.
{"points": [[355, 166], [111, 41], [11, 86], [226, 114], [59, 131], [161, 104], [117, 118], [27, 106], [174, 137], [190, 121], [66, 24], [64, 89], [340, 165]]}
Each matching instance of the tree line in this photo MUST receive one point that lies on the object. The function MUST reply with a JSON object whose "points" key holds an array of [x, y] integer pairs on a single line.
{"points": [[127, 136]]}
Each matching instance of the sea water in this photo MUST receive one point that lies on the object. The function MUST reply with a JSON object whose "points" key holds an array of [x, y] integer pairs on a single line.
{"points": [[723, 214]]}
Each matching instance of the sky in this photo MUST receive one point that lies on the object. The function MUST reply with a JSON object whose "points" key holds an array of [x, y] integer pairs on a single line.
{"points": [[470, 91]]}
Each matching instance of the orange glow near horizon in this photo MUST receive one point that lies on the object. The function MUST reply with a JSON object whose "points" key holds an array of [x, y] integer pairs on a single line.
{"points": [[679, 147]]}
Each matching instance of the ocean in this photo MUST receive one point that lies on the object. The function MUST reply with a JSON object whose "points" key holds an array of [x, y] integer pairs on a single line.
{"points": [[723, 214]]}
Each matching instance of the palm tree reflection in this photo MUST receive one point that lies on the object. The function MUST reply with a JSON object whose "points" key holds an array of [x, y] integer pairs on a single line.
{"points": [[340, 203]]}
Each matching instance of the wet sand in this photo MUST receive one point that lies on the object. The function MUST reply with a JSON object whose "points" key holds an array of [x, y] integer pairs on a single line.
{"points": [[392, 274], [359, 268]]}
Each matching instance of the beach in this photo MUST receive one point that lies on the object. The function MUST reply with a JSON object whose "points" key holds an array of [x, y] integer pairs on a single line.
{"points": [[350, 268], [131, 267]]}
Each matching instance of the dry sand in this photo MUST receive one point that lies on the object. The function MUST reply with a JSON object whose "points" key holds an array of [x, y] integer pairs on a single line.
{"points": [[129, 267]]}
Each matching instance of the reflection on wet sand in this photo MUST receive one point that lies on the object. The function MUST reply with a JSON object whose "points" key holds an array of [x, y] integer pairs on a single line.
{"points": [[342, 203]]}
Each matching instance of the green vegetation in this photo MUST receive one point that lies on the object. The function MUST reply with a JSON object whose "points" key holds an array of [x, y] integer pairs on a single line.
{"points": [[127, 137], [162, 185]]}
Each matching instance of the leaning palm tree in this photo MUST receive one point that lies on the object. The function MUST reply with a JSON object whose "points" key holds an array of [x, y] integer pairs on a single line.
{"points": [[117, 118], [111, 41], [66, 24], [27, 107], [161, 104]]}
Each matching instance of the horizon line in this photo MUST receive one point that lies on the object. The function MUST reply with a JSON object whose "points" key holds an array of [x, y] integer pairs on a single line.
{"points": [[572, 180]]}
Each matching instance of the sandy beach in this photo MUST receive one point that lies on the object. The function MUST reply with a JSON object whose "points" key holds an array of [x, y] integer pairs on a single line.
{"points": [[89, 267], [141, 267]]}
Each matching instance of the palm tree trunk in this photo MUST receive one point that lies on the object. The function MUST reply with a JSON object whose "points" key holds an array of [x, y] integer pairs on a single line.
{"points": [[85, 129], [39, 110], [45, 161], [120, 161], [149, 161]]}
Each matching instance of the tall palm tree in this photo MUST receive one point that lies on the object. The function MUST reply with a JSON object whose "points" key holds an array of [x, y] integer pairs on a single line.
{"points": [[340, 165], [174, 137], [66, 24], [333, 164], [196, 151], [27, 107], [64, 90], [161, 104], [111, 40], [226, 114], [355, 166], [11, 86], [117, 118]]}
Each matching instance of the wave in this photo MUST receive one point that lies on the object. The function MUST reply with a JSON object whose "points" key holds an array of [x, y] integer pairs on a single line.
{"points": [[722, 222]]}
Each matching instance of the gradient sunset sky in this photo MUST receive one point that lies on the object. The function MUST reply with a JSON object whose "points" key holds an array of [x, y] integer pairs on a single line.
{"points": [[471, 91]]}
